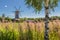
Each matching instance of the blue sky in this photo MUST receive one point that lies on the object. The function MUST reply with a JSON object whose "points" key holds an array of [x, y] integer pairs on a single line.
{"points": [[7, 6]]}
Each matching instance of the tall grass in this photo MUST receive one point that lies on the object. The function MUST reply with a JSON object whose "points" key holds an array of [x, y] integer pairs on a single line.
{"points": [[19, 31]]}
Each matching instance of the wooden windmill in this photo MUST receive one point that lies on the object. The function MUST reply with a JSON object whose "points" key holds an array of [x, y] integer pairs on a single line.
{"points": [[17, 12]]}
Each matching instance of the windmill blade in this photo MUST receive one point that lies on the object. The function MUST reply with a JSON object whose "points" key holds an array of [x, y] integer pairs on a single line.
{"points": [[21, 11], [19, 7], [15, 7], [12, 11], [20, 15]]}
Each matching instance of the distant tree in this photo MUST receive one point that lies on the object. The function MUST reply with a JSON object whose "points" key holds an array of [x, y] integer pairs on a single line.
{"points": [[7, 18], [0, 18]]}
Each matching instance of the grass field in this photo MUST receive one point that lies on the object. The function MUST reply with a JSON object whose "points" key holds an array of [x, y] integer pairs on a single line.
{"points": [[29, 31]]}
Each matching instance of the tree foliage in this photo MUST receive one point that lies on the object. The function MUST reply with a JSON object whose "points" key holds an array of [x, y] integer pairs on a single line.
{"points": [[38, 5]]}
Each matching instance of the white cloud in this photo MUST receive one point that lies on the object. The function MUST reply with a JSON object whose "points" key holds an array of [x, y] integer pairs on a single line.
{"points": [[5, 6]]}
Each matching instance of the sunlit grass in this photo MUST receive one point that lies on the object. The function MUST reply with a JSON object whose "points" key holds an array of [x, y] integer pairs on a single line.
{"points": [[29, 31]]}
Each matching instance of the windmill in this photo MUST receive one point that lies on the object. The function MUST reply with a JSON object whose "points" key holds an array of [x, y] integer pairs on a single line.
{"points": [[3, 17], [17, 12]]}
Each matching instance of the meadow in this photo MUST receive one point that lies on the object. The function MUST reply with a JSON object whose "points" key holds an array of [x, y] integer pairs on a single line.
{"points": [[29, 31]]}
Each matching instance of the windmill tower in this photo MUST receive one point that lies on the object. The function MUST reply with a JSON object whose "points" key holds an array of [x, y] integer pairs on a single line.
{"points": [[3, 17], [17, 12]]}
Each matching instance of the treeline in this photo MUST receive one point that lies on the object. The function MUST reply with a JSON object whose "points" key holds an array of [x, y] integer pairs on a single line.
{"points": [[33, 19], [41, 19]]}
